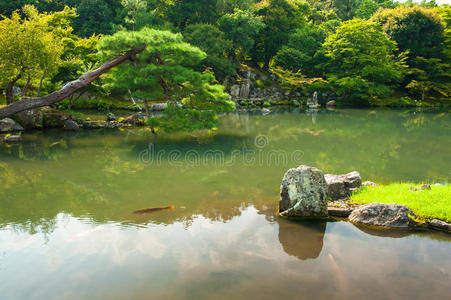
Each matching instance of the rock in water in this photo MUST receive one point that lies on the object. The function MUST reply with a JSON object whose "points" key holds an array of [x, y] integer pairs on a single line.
{"points": [[9, 125], [383, 215], [303, 193], [71, 125], [332, 103], [438, 224], [31, 119], [111, 117], [341, 186], [12, 139]]}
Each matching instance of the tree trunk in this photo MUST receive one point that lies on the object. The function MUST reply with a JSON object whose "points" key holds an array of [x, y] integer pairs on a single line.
{"points": [[25, 89], [40, 85], [9, 90], [67, 90], [146, 107]]}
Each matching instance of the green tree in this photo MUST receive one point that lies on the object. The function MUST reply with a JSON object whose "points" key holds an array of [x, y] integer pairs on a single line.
{"points": [[97, 16], [304, 50], [281, 18], [134, 8], [445, 13], [164, 71], [430, 79], [242, 28], [183, 13], [211, 40], [79, 56], [421, 32], [346, 9], [415, 29], [366, 9], [362, 61], [30, 47]]}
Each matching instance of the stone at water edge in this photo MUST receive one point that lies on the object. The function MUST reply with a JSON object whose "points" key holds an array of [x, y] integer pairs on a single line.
{"points": [[332, 103], [9, 125], [438, 224], [12, 139], [341, 186], [31, 119], [71, 125], [303, 193], [383, 215], [111, 117], [370, 183], [341, 212]]}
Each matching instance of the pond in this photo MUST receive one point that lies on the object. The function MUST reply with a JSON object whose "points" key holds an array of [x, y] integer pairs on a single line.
{"points": [[67, 230]]}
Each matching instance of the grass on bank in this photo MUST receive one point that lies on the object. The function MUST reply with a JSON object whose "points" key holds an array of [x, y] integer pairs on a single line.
{"points": [[426, 204]]}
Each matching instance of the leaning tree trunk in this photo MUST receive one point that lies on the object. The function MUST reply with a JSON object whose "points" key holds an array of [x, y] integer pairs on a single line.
{"points": [[9, 90], [40, 85], [68, 89]]}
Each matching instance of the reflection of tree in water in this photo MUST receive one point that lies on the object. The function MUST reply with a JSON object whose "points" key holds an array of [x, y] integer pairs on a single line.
{"points": [[302, 239], [98, 174], [100, 177]]}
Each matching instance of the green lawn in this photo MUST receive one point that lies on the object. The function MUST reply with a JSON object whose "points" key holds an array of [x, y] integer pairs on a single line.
{"points": [[426, 204]]}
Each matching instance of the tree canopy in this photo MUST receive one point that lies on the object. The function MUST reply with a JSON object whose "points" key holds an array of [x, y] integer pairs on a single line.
{"points": [[164, 71], [362, 60]]}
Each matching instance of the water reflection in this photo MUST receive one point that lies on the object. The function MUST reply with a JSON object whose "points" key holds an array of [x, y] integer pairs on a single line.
{"points": [[66, 218], [245, 257], [303, 240]]}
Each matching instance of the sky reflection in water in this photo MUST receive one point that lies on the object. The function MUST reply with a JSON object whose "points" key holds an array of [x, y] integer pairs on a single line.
{"points": [[67, 230]]}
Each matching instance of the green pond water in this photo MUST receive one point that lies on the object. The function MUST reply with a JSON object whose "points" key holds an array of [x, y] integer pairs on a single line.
{"points": [[67, 230]]}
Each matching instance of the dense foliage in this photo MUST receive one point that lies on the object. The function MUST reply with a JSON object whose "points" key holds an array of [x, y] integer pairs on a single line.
{"points": [[164, 71], [360, 51]]}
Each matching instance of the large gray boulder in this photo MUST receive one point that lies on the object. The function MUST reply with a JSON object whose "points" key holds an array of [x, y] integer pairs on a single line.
{"points": [[303, 193], [383, 215], [341, 186], [9, 125]]}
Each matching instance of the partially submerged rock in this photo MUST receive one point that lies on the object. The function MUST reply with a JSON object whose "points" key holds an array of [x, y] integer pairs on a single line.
{"points": [[303, 193], [332, 103], [71, 125], [383, 215], [100, 125], [341, 186], [31, 119], [438, 224], [341, 212], [135, 119], [56, 119], [111, 117], [9, 125], [12, 139]]}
